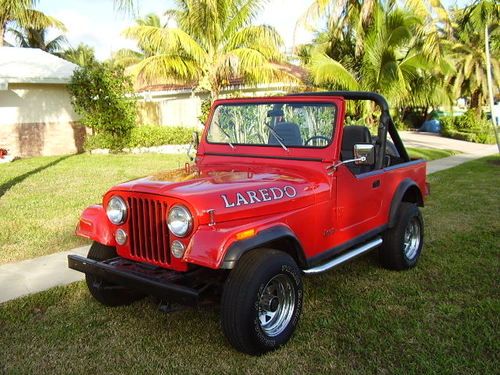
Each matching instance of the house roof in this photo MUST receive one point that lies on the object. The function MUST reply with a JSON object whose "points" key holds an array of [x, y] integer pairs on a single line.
{"points": [[32, 65], [234, 83]]}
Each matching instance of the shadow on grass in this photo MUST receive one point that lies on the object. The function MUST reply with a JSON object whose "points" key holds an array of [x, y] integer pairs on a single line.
{"points": [[16, 180]]}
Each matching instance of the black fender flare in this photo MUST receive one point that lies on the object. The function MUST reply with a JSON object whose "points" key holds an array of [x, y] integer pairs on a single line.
{"points": [[402, 189], [263, 238]]}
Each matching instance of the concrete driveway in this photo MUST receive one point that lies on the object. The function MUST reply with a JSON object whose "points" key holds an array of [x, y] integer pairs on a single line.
{"points": [[435, 141], [469, 151]]}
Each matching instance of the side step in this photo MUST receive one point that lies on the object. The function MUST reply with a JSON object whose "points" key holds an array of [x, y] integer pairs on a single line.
{"points": [[357, 251]]}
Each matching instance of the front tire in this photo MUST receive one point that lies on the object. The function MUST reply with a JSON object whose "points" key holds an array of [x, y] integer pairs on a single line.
{"points": [[106, 293], [262, 301], [403, 243]]}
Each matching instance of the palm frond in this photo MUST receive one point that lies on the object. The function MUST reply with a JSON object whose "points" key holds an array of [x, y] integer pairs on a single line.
{"points": [[326, 71], [167, 39], [166, 68], [37, 20]]}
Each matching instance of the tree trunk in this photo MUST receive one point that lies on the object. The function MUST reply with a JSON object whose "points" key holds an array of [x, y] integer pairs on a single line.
{"points": [[490, 84], [475, 101], [2, 33]]}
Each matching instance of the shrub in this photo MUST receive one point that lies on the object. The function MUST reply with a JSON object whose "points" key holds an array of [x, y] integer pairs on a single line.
{"points": [[99, 95], [144, 136], [468, 127]]}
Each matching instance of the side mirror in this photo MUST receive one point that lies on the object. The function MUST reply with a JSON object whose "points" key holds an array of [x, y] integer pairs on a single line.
{"points": [[194, 144], [196, 140], [364, 154]]}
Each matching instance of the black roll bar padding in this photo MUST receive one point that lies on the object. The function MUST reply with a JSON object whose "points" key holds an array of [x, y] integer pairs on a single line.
{"points": [[386, 123]]}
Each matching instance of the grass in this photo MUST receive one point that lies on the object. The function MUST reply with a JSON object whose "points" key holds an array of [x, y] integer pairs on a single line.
{"points": [[430, 154], [42, 198], [441, 317]]}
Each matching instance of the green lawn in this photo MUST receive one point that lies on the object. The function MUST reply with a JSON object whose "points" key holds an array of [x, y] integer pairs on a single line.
{"points": [[441, 317], [42, 198], [430, 154]]}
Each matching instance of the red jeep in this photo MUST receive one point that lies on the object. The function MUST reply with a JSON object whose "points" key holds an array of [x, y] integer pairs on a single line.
{"points": [[280, 187]]}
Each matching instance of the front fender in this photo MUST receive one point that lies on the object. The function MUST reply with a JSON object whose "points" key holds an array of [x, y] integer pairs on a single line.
{"points": [[94, 225], [215, 246]]}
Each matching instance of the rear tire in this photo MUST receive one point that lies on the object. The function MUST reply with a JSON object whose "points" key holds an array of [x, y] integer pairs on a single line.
{"points": [[103, 291], [261, 301], [403, 243]]}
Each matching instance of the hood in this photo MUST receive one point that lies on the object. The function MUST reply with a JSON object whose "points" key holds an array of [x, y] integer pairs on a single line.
{"points": [[234, 192]]}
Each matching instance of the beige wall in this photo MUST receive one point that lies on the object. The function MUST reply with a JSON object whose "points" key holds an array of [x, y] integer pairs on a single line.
{"points": [[181, 111], [38, 119]]}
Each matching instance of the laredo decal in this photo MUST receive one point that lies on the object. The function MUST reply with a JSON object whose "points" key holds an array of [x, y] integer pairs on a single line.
{"points": [[261, 195]]}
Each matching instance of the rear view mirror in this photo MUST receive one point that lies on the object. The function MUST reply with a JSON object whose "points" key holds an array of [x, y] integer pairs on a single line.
{"points": [[364, 154]]}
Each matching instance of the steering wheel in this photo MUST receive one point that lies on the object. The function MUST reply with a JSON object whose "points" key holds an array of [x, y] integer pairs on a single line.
{"points": [[317, 137]]}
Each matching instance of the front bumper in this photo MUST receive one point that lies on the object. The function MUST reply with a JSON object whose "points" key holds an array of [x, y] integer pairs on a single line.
{"points": [[159, 282]]}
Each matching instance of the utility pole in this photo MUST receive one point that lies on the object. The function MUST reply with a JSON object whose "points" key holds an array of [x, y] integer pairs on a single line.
{"points": [[490, 82]]}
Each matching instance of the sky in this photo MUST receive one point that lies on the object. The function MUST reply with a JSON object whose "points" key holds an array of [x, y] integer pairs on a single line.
{"points": [[97, 23]]}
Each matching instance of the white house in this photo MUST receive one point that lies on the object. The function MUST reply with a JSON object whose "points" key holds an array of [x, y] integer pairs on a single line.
{"points": [[36, 115]]}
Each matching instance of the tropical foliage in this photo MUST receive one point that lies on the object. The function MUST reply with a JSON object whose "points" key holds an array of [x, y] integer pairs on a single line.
{"points": [[99, 95], [29, 37], [379, 46], [414, 52], [213, 42], [127, 57], [469, 54], [23, 14], [82, 55]]}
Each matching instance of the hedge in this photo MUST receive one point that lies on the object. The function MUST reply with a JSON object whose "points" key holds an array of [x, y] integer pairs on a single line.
{"points": [[468, 127], [144, 136]]}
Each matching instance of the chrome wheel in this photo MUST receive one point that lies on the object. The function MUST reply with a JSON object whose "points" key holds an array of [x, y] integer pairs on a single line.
{"points": [[412, 238], [276, 305]]}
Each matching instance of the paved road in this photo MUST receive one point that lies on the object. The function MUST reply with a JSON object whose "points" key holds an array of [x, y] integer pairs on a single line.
{"points": [[35, 275]]}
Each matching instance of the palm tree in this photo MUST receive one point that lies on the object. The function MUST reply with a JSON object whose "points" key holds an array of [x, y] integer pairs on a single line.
{"points": [[37, 38], [485, 15], [83, 55], [386, 64], [471, 78], [127, 57], [21, 13], [378, 46], [213, 42]]}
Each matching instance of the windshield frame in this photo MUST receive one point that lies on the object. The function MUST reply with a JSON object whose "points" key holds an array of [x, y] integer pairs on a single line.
{"points": [[326, 154], [272, 100]]}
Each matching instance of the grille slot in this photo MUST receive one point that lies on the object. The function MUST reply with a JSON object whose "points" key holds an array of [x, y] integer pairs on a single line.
{"points": [[148, 230]]}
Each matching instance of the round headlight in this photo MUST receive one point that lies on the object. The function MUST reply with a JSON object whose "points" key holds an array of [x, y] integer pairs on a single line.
{"points": [[179, 221], [116, 210]]}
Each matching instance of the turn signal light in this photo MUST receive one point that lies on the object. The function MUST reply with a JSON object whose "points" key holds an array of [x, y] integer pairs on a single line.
{"points": [[245, 234]]}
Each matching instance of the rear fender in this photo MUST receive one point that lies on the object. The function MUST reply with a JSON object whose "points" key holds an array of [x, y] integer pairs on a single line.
{"points": [[94, 225], [407, 191]]}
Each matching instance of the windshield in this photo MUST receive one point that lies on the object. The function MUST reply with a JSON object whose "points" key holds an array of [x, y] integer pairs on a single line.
{"points": [[276, 124]]}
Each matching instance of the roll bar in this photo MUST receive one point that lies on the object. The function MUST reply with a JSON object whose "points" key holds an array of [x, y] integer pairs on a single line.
{"points": [[386, 123]]}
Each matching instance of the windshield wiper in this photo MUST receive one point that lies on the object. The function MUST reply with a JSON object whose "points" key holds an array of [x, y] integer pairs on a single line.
{"points": [[278, 138], [227, 135]]}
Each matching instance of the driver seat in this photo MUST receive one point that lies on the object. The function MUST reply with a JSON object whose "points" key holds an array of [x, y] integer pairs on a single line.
{"points": [[289, 133]]}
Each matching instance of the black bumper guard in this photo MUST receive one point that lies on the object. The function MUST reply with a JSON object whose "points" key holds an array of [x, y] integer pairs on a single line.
{"points": [[155, 281]]}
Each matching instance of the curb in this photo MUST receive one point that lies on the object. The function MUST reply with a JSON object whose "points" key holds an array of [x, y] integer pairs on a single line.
{"points": [[36, 275]]}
